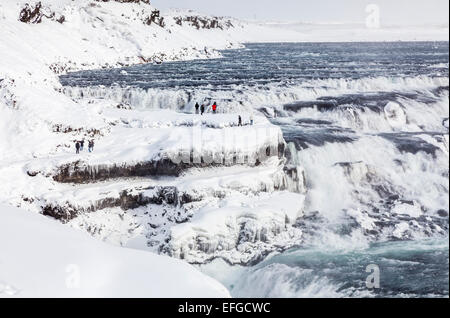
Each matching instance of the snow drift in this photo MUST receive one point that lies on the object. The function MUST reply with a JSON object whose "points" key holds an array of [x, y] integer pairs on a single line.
{"points": [[42, 258]]}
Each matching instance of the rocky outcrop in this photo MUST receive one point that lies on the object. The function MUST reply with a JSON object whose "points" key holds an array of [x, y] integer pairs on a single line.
{"points": [[80, 172], [155, 18], [35, 14], [200, 22], [239, 234], [127, 200]]}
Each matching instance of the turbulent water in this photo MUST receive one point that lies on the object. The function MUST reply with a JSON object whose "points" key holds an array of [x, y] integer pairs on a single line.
{"points": [[367, 122], [406, 269]]}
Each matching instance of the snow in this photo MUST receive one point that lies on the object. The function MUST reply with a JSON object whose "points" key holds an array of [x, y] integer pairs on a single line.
{"points": [[363, 219], [400, 230], [239, 228], [412, 210], [395, 115], [42, 258]]}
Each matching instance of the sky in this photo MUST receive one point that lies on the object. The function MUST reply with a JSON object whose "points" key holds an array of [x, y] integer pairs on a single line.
{"points": [[392, 12]]}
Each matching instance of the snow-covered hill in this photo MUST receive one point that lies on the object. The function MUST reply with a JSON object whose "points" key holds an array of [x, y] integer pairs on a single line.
{"points": [[42, 258]]}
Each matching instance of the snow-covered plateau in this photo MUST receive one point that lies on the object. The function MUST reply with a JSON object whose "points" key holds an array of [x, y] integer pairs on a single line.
{"points": [[164, 180]]}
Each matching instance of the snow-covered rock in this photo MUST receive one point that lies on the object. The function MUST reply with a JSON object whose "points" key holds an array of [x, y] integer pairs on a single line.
{"points": [[395, 115], [240, 229]]}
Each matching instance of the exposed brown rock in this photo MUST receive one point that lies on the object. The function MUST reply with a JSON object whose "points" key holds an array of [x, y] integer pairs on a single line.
{"points": [[126, 201], [35, 14]]}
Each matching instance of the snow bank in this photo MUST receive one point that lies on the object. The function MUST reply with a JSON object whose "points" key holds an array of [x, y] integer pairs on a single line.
{"points": [[42, 258]]}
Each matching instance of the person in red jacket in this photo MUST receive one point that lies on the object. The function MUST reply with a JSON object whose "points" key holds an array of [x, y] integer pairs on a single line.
{"points": [[214, 107]]}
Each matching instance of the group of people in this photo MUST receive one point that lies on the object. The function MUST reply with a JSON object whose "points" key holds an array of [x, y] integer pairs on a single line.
{"points": [[240, 121], [79, 145], [201, 109]]}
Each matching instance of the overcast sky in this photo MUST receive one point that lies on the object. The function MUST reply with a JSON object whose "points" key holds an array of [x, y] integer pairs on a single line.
{"points": [[400, 12]]}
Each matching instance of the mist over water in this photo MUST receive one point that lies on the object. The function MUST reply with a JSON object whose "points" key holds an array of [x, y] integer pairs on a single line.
{"points": [[368, 122]]}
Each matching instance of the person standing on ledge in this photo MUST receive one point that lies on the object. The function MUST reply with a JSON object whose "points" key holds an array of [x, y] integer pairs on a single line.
{"points": [[77, 147], [240, 121], [197, 106], [202, 109], [214, 107], [91, 145]]}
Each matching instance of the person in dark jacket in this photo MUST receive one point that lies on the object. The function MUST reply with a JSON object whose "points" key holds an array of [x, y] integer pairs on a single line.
{"points": [[202, 109], [197, 106], [240, 121], [82, 145], [77, 147], [91, 145]]}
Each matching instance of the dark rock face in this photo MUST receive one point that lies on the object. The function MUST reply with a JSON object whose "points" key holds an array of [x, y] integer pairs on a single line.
{"points": [[321, 105], [199, 22], [126, 201], [304, 138], [155, 18], [78, 172], [34, 15], [411, 143], [296, 177]]}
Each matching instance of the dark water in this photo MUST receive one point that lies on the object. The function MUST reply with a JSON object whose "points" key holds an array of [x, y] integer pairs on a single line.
{"points": [[284, 64], [370, 124]]}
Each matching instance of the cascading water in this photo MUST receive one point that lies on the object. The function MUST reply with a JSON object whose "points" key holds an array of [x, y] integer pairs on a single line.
{"points": [[367, 124]]}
